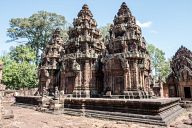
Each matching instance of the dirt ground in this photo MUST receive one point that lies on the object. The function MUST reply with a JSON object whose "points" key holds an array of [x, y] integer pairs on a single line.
{"points": [[29, 118]]}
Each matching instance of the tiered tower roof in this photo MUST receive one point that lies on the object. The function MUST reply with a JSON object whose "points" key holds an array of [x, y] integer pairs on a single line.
{"points": [[183, 51], [126, 31], [84, 30], [124, 15], [182, 60], [52, 53]]}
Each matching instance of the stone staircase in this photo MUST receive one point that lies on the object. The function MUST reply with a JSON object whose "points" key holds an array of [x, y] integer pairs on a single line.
{"points": [[131, 95], [50, 105]]}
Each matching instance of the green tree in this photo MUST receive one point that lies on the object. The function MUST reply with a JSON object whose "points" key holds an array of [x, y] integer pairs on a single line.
{"points": [[160, 66], [18, 71], [36, 30], [22, 53], [105, 30]]}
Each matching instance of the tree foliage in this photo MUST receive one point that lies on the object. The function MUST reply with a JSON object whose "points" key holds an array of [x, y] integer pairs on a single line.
{"points": [[19, 71], [160, 66], [105, 30], [22, 53], [36, 30]]}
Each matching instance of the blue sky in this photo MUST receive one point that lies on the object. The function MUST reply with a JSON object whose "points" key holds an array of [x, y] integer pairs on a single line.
{"points": [[165, 23]]}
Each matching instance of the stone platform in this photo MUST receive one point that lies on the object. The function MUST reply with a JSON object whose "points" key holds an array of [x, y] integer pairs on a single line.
{"points": [[151, 111], [160, 111]]}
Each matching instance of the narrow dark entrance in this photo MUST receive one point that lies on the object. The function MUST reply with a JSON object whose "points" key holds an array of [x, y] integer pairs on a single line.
{"points": [[118, 85], [69, 85], [187, 92]]}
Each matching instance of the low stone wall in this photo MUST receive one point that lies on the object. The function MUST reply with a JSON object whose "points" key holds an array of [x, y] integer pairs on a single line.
{"points": [[28, 100], [26, 92]]}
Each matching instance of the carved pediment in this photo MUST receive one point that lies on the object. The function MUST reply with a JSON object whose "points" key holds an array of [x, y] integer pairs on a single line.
{"points": [[181, 64]]}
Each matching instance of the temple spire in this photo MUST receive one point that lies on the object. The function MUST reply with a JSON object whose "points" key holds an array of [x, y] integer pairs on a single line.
{"points": [[183, 51], [124, 15], [84, 25], [85, 12], [126, 39], [56, 33], [124, 10], [82, 50], [85, 6]]}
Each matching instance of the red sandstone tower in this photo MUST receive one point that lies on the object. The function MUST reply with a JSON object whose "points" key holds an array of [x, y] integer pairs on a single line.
{"points": [[50, 66], [126, 62], [80, 60], [179, 81]]}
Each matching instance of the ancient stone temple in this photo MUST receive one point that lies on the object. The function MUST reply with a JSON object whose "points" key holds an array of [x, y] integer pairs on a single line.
{"points": [[126, 60], [50, 66], [84, 67], [82, 51], [180, 80], [107, 79]]}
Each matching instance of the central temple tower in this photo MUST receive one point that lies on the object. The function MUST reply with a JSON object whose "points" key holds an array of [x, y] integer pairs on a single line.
{"points": [[81, 56], [126, 60]]}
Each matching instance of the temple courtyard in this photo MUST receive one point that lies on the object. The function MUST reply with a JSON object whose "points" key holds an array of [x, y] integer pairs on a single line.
{"points": [[29, 118]]}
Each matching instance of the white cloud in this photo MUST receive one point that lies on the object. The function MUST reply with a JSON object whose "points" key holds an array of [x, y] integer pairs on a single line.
{"points": [[144, 24], [154, 31]]}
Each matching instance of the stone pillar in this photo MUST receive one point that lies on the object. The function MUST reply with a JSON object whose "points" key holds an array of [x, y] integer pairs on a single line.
{"points": [[143, 81], [76, 92], [125, 79], [136, 74], [86, 74], [129, 79], [161, 89], [106, 82], [62, 88], [111, 82], [86, 89], [93, 83], [80, 78], [76, 79]]}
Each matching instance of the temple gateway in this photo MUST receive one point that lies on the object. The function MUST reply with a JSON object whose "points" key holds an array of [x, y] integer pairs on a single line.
{"points": [[88, 66]]}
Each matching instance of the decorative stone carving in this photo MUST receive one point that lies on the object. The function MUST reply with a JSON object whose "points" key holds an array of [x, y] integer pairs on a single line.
{"points": [[84, 66], [127, 47], [179, 80], [76, 66], [80, 56], [44, 94], [51, 63], [56, 94]]}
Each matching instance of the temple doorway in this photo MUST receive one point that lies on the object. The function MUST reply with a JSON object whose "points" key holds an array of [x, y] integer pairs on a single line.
{"points": [[172, 91], [118, 85], [70, 83], [187, 91]]}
